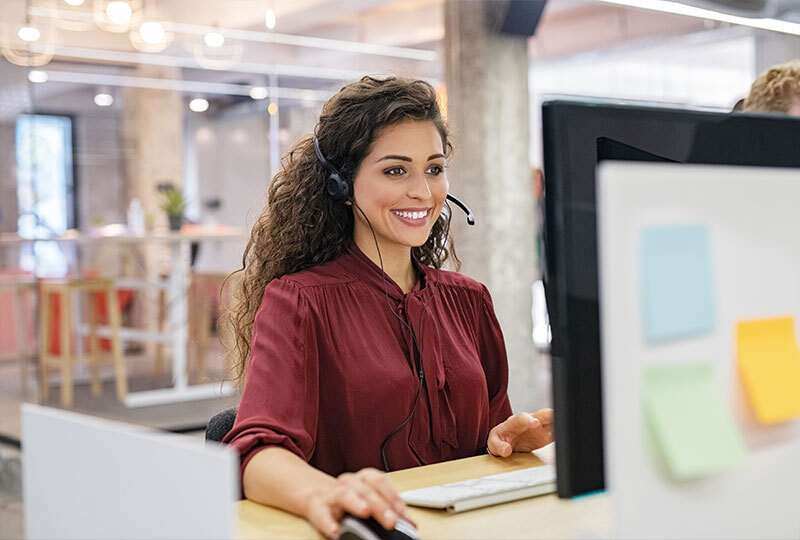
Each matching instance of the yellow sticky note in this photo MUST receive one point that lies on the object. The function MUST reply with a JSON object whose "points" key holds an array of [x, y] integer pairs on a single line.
{"points": [[769, 365]]}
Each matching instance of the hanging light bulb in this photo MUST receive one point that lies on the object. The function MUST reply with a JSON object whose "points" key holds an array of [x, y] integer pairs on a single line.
{"points": [[117, 15], [119, 12], [30, 44], [29, 34], [272, 108], [151, 35], [214, 51], [270, 19], [71, 15]]}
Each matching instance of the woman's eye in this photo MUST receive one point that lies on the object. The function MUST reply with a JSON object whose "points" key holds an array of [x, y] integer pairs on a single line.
{"points": [[395, 171], [435, 170]]}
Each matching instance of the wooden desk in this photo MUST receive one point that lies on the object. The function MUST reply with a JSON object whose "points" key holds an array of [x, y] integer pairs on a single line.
{"points": [[538, 517]]}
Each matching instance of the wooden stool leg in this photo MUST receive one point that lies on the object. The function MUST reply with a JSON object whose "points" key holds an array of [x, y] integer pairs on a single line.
{"points": [[115, 322], [44, 343], [66, 350], [94, 346], [159, 366], [19, 336]]}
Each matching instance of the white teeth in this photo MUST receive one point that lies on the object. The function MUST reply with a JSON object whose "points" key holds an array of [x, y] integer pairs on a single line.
{"points": [[411, 215]]}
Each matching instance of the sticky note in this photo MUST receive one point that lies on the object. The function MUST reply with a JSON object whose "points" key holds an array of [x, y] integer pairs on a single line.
{"points": [[688, 419], [676, 282], [769, 366]]}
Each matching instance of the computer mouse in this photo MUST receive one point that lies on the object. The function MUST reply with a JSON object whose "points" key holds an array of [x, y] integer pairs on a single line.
{"points": [[356, 528]]}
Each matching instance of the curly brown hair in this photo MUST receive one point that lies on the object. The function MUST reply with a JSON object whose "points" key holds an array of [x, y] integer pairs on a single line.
{"points": [[776, 89], [301, 226]]}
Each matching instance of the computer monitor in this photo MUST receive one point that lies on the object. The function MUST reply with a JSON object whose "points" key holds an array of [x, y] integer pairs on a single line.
{"points": [[577, 135]]}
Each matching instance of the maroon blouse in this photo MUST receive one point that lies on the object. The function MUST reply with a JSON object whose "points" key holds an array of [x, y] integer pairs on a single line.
{"points": [[332, 373]]}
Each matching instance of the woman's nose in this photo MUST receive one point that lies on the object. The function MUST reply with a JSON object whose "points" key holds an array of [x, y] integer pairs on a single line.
{"points": [[418, 187]]}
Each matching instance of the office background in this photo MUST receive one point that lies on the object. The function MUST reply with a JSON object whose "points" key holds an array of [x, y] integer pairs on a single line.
{"points": [[107, 102]]}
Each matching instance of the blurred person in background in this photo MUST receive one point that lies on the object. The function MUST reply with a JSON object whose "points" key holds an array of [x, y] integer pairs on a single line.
{"points": [[777, 90]]}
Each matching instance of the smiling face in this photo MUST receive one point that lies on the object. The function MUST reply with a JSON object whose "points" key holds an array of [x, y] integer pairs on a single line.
{"points": [[401, 185]]}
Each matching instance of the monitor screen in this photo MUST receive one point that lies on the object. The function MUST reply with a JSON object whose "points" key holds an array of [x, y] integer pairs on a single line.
{"points": [[577, 135]]}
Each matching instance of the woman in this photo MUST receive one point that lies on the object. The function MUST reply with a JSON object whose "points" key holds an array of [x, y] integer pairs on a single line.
{"points": [[358, 352]]}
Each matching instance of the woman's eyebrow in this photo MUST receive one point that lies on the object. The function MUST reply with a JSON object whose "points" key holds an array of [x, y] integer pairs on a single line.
{"points": [[406, 158]]}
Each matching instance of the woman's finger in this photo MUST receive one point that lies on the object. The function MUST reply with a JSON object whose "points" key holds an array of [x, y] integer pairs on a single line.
{"points": [[381, 483], [379, 508], [497, 446], [545, 416], [322, 517]]}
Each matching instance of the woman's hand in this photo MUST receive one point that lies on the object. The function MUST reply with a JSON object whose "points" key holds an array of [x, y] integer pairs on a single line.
{"points": [[365, 493], [522, 432]]}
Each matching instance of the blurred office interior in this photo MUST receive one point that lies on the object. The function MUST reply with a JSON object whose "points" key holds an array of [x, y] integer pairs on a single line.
{"points": [[116, 114]]}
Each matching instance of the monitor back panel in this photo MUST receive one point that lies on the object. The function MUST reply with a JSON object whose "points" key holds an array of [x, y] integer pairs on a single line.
{"points": [[89, 478]]}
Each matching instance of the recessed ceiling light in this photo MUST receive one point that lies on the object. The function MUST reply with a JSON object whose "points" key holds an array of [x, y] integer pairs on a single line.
{"points": [[214, 39], [74, 3], [198, 105], [258, 92], [103, 100], [37, 76]]}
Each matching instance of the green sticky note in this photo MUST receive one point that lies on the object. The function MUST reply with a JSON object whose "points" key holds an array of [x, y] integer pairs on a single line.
{"points": [[689, 420]]}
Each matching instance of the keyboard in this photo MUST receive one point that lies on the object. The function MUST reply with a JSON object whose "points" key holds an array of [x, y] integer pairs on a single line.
{"points": [[486, 490]]}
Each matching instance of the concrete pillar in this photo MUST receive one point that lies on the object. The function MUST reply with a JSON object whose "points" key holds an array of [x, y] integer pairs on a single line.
{"points": [[153, 140], [775, 48], [488, 102], [8, 177]]}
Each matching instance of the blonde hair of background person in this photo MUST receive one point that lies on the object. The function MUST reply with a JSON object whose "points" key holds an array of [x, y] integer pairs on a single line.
{"points": [[327, 281], [777, 90]]}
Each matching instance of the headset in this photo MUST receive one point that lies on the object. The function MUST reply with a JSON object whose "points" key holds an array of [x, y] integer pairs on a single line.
{"points": [[340, 190]]}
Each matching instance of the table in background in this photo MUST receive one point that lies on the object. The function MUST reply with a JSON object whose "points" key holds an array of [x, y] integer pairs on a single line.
{"points": [[177, 287], [538, 517]]}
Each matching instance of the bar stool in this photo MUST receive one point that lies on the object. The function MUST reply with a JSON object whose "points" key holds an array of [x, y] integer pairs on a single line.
{"points": [[206, 286], [64, 358], [20, 287]]}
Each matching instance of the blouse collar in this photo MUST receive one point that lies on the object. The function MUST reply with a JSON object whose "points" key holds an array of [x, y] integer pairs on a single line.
{"points": [[362, 267]]}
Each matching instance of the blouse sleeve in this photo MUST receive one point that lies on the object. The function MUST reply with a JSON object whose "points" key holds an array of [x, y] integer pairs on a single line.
{"points": [[494, 360], [279, 404]]}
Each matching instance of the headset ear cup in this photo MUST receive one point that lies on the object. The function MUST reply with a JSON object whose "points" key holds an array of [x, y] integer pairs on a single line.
{"points": [[337, 188]]}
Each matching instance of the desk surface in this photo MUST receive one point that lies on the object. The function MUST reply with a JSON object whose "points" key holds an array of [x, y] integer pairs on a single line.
{"points": [[539, 517]]}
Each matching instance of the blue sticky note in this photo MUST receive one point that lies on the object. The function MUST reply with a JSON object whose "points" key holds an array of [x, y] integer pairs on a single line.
{"points": [[676, 282]]}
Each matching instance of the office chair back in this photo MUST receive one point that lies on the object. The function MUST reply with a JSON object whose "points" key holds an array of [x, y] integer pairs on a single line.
{"points": [[220, 424]]}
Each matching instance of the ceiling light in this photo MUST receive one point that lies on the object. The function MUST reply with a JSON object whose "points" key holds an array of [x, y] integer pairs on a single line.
{"points": [[29, 34], [272, 108], [37, 76], [74, 3], [152, 32], [214, 39], [103, 100], [119, 12], [258, 92], [198, 105], [270, 19], [677, 8]]}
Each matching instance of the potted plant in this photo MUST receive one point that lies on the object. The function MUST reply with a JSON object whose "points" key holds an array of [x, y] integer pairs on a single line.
{"points": [[173, 204]]}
